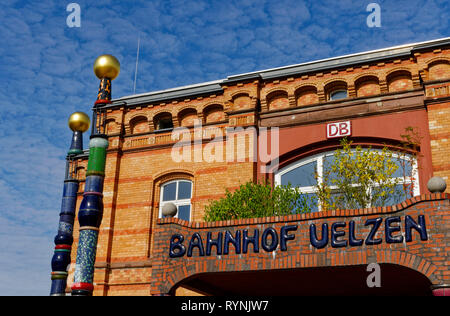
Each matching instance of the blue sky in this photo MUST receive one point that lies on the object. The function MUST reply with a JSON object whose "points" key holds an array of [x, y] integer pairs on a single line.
{"points": [[46, 74]]}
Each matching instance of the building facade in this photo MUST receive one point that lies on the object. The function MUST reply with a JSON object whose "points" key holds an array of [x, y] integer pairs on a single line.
{"points": [[188, 145]]}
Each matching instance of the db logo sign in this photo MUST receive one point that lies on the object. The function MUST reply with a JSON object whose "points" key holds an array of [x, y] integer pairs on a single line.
{"points": [[339, 129]]}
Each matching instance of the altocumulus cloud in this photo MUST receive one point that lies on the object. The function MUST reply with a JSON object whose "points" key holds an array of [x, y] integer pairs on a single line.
{"points": [[46, 74]]}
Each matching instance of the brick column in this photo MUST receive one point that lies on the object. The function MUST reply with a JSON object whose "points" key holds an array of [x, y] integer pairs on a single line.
{"points": [[101, 276], [438, 109]]}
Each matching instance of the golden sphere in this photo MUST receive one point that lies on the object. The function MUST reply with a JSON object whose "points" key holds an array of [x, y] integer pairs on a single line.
{"points": [[106, 66], [79, 122]]}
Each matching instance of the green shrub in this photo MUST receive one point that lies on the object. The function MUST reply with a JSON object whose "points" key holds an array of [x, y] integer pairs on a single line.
{"points": [[254, 200]]}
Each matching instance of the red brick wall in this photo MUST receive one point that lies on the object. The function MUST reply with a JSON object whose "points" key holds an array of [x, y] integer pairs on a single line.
{"points": [[430, 257]]}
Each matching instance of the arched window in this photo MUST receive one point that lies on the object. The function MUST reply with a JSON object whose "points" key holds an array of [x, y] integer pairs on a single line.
{"points": [[163, 122], [336, 90], [302, 173], [338, 94], [178, 192]]}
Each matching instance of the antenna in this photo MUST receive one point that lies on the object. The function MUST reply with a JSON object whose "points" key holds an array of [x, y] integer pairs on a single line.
{"points": [[137, 61]]}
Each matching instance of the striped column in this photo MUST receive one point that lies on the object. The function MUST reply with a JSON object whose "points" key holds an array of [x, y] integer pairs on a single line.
{"points": [[106, 68], [64, 239], [90, 217], [78, 122]]}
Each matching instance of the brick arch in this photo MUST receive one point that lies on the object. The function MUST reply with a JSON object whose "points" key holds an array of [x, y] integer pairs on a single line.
{"points": [[132, 116], [399, 79], [408, 260], [331, 80], [173, 174], [437, 59], [169, 272], [138, 124], [366, 74], [186, 108], [175, 276], [239, 92], [212, 104], [299, 86], [312, 149], [306, 94], [81, 173], [177, 270], [129, 118], [112, 127], [214, 112], [397, 69], [335, 84], [115, 117], [366, 85], [438, 68], [160, 114], [275, 90], [277, 99], [241, 99], [299, 253], [187, 116]]}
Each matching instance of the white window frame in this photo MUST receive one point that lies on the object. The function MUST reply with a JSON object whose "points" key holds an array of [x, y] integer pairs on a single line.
{"points": [[319, 158], [177, 203]]}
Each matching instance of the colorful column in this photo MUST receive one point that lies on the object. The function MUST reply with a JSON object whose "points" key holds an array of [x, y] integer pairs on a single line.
{"points": [[78, 123], [106, 67]]}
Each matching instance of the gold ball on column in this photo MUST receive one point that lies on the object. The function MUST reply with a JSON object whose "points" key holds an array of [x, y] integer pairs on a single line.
{"points": [[79, 122], [106, 66]]}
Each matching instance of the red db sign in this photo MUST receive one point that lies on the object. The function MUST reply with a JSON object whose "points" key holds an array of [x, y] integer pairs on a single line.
{"points": [[339, 129]]}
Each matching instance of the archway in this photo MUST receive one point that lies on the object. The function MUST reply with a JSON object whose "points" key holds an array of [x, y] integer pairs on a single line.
{"points": [[341, 280]]}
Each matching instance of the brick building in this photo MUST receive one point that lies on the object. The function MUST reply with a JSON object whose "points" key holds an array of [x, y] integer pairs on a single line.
{"points": [[371, 96]]}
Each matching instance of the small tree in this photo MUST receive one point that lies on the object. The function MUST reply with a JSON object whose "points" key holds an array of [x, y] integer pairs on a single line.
{"points": [[358, 178], [254, 200]]}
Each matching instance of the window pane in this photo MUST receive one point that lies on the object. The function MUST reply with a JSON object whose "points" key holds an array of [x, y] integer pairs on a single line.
{"points": [[302, 176], [402, 192], [184, 212], [343, 202], [169, 191], [184, 190], [404, 168], [327, 162], [341, 94], [165, 123], [309, 201]]}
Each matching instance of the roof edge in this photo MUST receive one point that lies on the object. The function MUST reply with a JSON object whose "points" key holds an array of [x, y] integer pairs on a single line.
{"points": [[215, 87]]}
